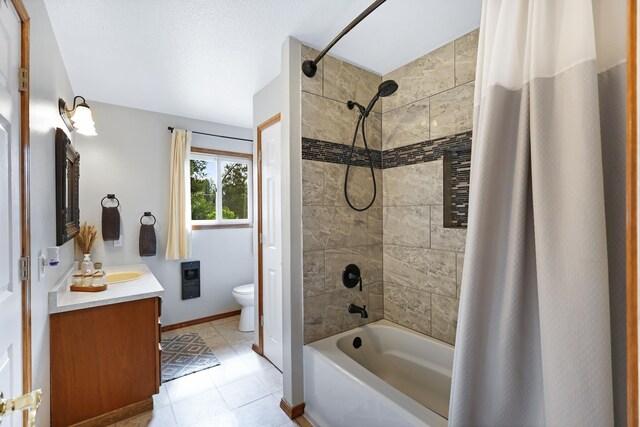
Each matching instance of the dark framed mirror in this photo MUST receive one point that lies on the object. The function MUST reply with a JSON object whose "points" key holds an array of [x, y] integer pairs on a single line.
{"points": [[67, 189]]}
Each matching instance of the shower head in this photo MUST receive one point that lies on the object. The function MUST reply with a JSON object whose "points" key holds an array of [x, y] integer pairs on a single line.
{"points": [[387, 87]]}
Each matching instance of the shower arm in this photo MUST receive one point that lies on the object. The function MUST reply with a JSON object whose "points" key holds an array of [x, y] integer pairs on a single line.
{"points": [[309, 67]]}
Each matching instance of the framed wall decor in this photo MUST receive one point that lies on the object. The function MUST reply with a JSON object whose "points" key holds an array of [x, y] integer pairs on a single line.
{"points": [[67, 189]]}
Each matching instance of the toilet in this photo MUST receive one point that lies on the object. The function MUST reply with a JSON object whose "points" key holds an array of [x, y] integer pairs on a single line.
{"points": [[244, 296]]}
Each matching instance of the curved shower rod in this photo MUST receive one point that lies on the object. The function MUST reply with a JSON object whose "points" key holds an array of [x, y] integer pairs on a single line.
{"points": [[216, 135], [309, 67]]}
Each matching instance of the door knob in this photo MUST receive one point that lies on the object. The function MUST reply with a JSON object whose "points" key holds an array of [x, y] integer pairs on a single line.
{"points": [[30, 402]]}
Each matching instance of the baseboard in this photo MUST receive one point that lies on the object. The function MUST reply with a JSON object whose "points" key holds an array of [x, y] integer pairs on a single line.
{"points": [[257, 349], [294, 412], [201, 320], [118, 415], [302, 421]]}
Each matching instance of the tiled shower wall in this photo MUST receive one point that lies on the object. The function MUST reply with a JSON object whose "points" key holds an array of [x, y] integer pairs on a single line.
{"points": [[422, 260], [411, 263], [334, 235]]}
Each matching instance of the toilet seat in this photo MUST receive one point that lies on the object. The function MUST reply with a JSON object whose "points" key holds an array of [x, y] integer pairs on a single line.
{"points": [[244, 289]]}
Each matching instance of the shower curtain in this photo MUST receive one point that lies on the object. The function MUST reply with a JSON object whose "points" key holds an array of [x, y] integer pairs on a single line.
{"points": [[179, 234], [540, 338]]}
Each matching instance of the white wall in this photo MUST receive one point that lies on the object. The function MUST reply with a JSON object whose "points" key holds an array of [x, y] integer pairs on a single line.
{"points": [[293, 383], [282, 95], [48, 82], [130, 158], [266, 104]]}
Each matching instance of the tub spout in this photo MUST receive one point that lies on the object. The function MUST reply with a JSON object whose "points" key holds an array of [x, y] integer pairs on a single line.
{"points": [[362, 310]]}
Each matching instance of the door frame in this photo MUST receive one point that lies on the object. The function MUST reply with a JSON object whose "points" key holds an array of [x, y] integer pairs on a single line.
{"points": [[25, 198], [632, 216], [261, 127], [25, 195]]}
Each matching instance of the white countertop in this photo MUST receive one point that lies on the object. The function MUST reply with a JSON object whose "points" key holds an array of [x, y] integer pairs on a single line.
{"points": [[61, 299]]}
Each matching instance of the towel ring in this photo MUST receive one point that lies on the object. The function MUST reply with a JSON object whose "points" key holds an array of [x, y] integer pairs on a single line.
{"points": [[110, 197], [146, 214]]}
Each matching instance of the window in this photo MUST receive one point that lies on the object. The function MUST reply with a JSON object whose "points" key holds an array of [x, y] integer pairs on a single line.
{"points": [[220, 189]]}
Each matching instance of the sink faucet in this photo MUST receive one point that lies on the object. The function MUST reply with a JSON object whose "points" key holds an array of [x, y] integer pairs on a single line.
{"points": [[362, 310]]}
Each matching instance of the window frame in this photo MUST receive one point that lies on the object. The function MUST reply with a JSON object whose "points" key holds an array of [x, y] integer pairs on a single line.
{"points": [[221, 157]]}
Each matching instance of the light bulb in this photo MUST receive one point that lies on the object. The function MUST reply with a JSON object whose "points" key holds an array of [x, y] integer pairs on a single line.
{"points": [[82, 116], [87, 130]]}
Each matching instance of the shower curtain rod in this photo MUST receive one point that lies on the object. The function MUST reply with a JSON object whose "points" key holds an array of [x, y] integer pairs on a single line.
{"points": [[309, 67], [218, 136]]}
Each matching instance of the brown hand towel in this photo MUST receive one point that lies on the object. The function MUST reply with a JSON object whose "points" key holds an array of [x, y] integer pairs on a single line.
{"points": [[110, 223], [147, 242]]}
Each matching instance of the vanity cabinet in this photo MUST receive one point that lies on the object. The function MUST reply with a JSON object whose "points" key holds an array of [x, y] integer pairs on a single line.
{"points": [[105, 362]]}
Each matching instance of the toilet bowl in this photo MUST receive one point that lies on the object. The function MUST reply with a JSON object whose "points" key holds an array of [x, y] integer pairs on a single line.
{"points": [[244, 296]]}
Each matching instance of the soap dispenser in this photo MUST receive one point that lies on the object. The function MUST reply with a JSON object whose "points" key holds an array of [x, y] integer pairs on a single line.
{"points": [[87, 266]]}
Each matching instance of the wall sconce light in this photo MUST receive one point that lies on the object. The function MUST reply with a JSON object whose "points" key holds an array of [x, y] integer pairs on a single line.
{"points": [[78, 117]]}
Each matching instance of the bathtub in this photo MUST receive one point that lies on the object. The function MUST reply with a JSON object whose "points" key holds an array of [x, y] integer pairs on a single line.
{"points": [[397, 377]]}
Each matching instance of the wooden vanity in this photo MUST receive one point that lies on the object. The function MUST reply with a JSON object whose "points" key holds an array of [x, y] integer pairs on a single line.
{"points": [[105, 352]]}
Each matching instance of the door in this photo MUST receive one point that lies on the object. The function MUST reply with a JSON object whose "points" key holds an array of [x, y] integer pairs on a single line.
{"points": [[10, 223], [270, 162]]}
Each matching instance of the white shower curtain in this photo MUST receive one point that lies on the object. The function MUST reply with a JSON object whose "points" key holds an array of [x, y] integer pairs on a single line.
{"points": [[179, 236], [540, 338]]}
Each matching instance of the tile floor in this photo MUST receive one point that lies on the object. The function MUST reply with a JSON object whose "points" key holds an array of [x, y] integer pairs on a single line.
{"points": [[245, 390]]}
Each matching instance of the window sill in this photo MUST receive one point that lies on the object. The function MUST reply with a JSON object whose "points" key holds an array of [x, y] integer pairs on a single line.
{"points": [[214, 226]]}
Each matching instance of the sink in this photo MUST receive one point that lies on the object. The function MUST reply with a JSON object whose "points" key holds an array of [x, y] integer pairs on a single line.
{"points": [[123, 276]]}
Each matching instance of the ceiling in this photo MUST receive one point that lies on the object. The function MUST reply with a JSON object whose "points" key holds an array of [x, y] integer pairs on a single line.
{"points": [[205, 59]]}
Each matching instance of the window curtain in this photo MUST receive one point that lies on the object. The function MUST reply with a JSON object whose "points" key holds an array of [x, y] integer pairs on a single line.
{"points": [[179, 237], [541, 327]]}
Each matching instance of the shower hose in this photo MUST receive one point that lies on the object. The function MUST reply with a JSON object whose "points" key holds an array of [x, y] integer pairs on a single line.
{"points": [[361, 121]]}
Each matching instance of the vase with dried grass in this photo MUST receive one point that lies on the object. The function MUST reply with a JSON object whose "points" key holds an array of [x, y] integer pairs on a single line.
{"points": [[85, 240]]}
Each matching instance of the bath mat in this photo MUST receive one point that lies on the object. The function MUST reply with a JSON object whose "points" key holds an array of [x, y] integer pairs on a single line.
{"points": [[185, 354]]}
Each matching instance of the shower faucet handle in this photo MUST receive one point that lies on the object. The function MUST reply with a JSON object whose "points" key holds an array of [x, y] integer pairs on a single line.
{"points": [[359, 279], [351, 276]]}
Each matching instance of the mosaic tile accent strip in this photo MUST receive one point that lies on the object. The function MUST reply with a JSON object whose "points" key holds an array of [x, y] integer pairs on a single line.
{"points": [[426, 151], [420, 152], [331, 152], [457, 172], [456, 150]]}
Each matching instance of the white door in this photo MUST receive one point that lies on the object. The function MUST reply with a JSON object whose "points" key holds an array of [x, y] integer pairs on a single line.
{"points": [[272, 244], [10, 289]]}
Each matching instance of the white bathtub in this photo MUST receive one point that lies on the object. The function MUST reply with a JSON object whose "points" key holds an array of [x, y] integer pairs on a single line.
{"points": [[396, 378]]}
